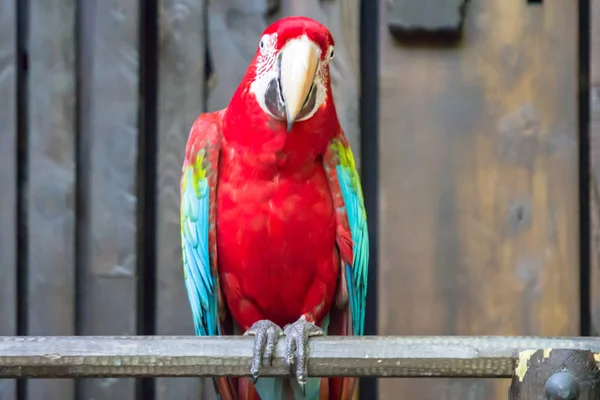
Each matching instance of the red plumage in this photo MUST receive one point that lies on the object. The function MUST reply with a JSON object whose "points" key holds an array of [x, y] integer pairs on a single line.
{"points": [[276, 226]]}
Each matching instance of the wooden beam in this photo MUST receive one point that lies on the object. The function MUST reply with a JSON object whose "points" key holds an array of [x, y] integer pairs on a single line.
{"points": [[177, 356]]}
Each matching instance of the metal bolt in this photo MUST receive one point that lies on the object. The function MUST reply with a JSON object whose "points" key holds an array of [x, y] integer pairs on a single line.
{"points": [[562, 386]]}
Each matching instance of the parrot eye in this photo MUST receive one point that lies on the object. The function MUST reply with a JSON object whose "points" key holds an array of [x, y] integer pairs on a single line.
{"points": [[331, 53], [261, 44]]}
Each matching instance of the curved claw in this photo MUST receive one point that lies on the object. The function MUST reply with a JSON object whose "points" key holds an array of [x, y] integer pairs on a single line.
{"points": [[266, 334], [296, 349]]}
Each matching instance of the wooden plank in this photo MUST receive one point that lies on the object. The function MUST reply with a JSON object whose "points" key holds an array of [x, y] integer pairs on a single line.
{"points": [[51, 179], [478, 168], [178, 356], [180, 100], [8, 175], [108, 278]]}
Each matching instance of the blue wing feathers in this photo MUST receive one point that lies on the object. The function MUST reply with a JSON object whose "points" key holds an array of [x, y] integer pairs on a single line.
{"points": [[356, 274], [199, 281]]}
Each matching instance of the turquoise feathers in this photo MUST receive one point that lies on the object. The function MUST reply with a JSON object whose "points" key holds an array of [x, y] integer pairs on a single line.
{"points": [[200, 282], [357, 273]]}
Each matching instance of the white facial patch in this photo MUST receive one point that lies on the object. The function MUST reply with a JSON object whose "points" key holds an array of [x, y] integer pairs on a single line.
{"points": [[266, 70]]}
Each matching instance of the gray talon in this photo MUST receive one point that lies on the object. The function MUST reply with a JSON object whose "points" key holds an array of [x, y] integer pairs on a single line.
{"points": [[296, 349], [266, 334]]}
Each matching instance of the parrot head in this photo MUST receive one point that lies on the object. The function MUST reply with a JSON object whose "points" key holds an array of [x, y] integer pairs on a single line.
{"points": [[289, 78]]}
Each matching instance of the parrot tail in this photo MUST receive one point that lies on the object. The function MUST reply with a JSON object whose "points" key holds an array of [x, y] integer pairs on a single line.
{"points": [[235, 389]]}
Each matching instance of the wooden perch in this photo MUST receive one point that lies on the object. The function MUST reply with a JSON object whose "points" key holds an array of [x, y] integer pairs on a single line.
{"points": [[378, 356]]}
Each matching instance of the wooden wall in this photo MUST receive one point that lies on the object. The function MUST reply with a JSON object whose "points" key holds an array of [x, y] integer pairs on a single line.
{"points": [[478, 163], [479, 182], [98, 99]]}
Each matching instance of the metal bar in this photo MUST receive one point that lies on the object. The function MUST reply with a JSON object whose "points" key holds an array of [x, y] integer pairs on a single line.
{"points": [[377, 356]]}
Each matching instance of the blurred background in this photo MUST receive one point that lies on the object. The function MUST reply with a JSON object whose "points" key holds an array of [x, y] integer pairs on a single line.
{"points": [[475, 123]]}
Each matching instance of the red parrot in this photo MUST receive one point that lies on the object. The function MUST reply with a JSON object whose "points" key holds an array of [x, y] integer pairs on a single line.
{"points": [[274, 229]]}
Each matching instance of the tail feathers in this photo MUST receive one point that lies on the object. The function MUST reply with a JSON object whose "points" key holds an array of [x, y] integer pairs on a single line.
{"points": [[226, 388], [236, 389], [271, 388], [248, 391], [312, 389], [281, 389], [341, 388]]}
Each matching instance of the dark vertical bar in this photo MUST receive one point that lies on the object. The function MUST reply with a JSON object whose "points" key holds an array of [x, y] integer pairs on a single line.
{"points": [[208, 62], [585, 317], [81, 166], [369, 145], [82, 63], [22, 145], [147, 163]]}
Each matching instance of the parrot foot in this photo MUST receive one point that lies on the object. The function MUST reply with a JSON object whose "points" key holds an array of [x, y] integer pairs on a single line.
{"points": [[266, 334], [297, 335]]}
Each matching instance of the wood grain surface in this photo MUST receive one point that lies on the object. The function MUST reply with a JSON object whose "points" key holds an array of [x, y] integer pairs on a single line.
{"points": [[51, 179], [109, 53], [479, 190]]}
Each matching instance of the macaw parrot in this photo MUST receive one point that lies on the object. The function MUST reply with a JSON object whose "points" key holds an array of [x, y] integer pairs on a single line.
{"points": [[273, 224]]}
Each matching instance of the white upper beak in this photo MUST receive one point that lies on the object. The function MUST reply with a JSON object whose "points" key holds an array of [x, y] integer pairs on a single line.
{"points": [[299, 62]]}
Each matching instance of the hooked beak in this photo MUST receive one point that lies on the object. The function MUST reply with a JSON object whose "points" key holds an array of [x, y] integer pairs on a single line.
{"points": [[299, 62]]}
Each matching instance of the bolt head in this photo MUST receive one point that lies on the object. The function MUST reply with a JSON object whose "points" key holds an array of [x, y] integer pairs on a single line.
{"points": [[562, 386]]}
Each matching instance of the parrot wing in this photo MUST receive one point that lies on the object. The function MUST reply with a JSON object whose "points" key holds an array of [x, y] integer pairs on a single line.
{"points": [[198, 235], [347, 316], [352, 233], [198, 242]]}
